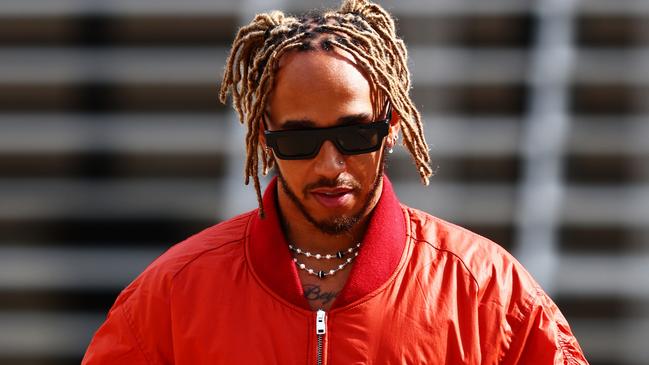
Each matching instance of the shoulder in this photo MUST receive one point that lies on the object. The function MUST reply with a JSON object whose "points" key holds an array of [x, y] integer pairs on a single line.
{"points": [[490, 266], [521, 320], [220, 237], [221, 240]]}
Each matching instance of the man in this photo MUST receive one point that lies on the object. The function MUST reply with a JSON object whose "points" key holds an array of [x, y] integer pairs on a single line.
{"points": [[331, 269]]}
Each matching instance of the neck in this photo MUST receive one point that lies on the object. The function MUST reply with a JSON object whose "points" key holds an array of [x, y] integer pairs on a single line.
{"points": [[382, 247]]}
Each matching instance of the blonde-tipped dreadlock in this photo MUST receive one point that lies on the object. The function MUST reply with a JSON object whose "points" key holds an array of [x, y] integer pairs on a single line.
{"points": [[362, 28]]}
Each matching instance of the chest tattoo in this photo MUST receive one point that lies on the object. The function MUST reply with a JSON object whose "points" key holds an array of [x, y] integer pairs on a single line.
{"points": [[314, 292]]}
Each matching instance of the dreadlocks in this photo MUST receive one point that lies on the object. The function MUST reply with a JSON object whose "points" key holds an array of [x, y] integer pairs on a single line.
{"points": [[363, 29]]}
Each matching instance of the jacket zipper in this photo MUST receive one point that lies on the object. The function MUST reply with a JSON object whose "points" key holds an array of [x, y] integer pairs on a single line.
{"points": [[320, 331]]}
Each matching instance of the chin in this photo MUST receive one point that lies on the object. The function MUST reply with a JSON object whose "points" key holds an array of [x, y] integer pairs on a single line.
{"points": [[337, 225]]}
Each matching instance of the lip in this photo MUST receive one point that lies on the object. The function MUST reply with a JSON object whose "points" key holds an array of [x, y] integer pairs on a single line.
{"points": [[334, 197]]}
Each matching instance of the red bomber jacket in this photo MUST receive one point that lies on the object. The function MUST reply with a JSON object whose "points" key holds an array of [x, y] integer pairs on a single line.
{"points": [[422, 291]]}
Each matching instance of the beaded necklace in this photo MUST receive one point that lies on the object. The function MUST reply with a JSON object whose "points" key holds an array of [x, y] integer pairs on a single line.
{"points": [[353, 251]]}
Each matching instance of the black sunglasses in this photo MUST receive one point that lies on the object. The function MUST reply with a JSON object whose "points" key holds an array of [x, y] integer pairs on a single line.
{"points": [[303, 144]]}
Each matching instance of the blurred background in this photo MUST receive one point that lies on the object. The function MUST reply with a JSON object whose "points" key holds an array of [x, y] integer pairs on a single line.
{"points": [[113, 147]]}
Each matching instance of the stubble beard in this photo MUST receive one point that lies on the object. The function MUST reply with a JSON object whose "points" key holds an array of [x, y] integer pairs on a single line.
{"points": [[337, 225]]}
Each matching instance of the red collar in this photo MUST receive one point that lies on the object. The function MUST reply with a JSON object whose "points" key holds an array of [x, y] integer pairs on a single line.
{"points": [[379, 256]]}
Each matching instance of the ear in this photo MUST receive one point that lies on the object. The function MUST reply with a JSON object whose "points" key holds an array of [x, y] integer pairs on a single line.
{"points": [[263, 122], [262, 129], [393, 132]]}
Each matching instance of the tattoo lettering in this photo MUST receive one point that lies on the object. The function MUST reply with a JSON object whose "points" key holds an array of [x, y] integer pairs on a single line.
{"points": [[313, 292]]}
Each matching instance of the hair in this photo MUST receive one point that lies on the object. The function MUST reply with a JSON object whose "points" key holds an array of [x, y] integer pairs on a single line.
{"points": [[361, 28]]}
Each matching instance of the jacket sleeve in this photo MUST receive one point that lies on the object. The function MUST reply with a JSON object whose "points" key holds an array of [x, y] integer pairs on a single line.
{"points": [[543, 337], [115, 342]]}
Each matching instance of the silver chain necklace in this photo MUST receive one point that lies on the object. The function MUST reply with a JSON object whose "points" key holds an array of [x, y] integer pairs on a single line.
{"points": [[338, 255], [325, 273]]}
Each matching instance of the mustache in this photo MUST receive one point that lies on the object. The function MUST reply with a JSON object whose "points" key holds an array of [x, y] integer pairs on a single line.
{"points": [[333, 183]]}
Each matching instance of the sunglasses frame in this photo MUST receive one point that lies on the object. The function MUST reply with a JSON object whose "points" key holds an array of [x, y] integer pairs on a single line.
{"points": [[329, 134]]}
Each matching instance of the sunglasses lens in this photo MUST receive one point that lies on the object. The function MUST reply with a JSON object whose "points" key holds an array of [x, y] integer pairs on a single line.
{"points": [[358, 139], [295, 145]]}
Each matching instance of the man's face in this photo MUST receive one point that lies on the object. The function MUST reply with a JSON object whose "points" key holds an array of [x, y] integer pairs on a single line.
{"points": [[333, 191]]}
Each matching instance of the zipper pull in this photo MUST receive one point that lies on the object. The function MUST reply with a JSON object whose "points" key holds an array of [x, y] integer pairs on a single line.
{"points": [[320, 322]]}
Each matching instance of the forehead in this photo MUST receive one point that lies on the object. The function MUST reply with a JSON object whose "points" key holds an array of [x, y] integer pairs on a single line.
{"points": [[319, 85]]}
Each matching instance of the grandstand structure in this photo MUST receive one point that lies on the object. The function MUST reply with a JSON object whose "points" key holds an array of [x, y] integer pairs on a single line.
{"points": [[113, 147]]}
